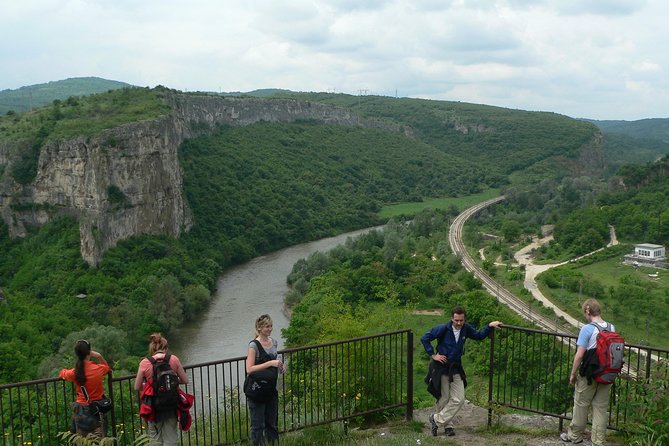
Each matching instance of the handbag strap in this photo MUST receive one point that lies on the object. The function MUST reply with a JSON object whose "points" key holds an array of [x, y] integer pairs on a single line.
{"points": [[85, 392], [262, 352]]}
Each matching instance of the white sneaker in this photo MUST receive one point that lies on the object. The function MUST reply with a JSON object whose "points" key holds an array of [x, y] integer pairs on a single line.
{"points": [[565, 437]]}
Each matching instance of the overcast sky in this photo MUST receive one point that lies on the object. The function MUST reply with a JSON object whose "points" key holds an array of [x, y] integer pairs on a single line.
{"points": [[600, 59]]}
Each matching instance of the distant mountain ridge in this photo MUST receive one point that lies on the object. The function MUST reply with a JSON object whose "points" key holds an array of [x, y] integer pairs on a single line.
{"points": [[29, 97], [653, 128], [634, 142]]}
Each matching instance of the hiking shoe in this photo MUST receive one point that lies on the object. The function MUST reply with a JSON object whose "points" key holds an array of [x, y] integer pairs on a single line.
{"points": [[433, 425], [449, 431], [565, 437]]}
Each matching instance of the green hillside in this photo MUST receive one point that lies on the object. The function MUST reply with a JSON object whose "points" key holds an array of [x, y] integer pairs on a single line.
{"points": [[32, 96], [267, 186], [502, 139], [252, 190], [656, 128], [634, 142]]}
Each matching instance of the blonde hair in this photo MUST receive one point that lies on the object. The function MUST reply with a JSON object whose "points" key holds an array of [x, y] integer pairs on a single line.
{"points": [[157, 343], [591, 307], [263, 321]]}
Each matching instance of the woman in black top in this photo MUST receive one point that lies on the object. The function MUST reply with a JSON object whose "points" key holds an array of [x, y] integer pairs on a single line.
{"points": [[264, 415]]}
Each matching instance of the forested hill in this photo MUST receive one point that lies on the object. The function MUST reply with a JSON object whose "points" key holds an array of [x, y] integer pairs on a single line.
{"points": [[33, 96], [656, 128], [234, 178], [503, 139], [634, 142]]}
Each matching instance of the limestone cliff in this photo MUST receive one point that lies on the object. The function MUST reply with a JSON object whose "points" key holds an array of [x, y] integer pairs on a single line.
{"points": [[127, 180]]}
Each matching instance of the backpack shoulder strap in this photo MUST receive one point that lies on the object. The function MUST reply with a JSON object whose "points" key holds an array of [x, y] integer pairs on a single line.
{"points": [[600, 329], [166, 358], [154, 372]]}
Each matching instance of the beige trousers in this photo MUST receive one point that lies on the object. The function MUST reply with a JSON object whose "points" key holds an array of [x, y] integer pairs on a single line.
{"points": [[595, 395], [164, 433], [451, 400]]}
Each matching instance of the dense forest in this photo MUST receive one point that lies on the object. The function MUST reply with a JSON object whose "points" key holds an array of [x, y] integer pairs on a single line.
{"points": [[503, 139], [278, 184], [252, 190]]}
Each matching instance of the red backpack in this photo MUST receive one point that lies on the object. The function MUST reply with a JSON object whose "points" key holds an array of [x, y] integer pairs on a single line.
{"points": [[609, 354]]}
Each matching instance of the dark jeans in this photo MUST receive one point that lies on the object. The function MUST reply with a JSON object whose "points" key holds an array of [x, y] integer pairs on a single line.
{"points": [[264, 421]]}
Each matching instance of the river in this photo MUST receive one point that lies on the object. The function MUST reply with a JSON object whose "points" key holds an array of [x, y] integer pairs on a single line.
{"points": [[245, 292]]}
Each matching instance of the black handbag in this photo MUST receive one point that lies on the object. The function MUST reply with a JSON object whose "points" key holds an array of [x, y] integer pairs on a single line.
{"points": [[260, 386], [101, 406]]}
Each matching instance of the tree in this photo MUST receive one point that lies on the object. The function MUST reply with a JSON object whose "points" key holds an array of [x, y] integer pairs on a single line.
{"points": [[166, 304], [511, 230], [110, 341]]}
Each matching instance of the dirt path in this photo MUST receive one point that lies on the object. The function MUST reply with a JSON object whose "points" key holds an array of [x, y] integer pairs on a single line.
{"points": [[524, 257]]}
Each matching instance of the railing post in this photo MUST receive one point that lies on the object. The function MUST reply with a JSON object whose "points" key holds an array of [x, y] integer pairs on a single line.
{"points": [[490, 373], [110, 390], [409, 412]]}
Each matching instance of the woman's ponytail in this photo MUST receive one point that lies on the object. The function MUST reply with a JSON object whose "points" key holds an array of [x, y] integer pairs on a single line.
{"points": [[82, 349]]}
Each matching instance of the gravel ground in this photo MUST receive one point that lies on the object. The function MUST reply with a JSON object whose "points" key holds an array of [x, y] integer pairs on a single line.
{"points": [[472, 419]]}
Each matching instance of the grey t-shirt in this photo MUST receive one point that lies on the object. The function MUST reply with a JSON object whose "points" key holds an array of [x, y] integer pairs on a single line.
{"points": [[272, 352]]}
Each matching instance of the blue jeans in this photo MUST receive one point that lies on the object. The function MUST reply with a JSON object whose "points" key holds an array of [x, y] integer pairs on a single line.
{"points": [[264, 421]]}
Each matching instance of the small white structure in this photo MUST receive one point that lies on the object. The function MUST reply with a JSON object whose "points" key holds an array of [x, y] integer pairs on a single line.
{"points": [[647, 254]]}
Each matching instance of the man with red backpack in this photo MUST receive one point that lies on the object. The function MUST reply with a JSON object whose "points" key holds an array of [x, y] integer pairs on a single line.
{"points": [[597, 362]]}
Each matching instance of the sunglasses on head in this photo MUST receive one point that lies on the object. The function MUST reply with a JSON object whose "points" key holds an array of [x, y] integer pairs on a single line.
{"points": [[84, 341]]}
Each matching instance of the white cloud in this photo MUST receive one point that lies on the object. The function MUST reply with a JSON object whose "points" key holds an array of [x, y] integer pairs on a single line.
{"points": [[602, 58]]}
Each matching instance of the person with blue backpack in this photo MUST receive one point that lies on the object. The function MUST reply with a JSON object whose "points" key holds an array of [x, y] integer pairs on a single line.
{"points": [[592, 388]]}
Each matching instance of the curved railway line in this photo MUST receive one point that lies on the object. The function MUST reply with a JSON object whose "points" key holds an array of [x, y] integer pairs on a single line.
{"points": [[512, 301], [492, 286]]}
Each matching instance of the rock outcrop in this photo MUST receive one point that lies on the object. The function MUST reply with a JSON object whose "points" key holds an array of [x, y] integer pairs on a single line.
{"points": [[127, 180]]}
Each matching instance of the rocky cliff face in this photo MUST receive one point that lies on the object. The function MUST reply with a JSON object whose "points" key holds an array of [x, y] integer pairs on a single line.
{"points": [[127, 180], [591, 159]]}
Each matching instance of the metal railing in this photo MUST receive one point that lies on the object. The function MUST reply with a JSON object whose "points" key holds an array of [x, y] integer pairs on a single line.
{"points": [[324, 383], [529, 370]]}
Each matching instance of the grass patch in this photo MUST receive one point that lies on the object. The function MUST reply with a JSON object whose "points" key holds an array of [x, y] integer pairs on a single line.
{"points": [[412, 208]]}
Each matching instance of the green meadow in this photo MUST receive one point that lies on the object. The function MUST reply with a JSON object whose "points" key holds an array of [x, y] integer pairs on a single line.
{"points": [[412, 208]]}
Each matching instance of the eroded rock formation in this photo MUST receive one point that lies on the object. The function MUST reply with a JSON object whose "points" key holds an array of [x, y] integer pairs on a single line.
{"points": [[127, 180]]}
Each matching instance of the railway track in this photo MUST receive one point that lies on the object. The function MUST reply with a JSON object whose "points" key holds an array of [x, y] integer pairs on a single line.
{"points": [[504, 296], [493, 287]]}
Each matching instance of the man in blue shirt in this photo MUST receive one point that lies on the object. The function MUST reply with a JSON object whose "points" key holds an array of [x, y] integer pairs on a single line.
{"points": [[446, 379]]}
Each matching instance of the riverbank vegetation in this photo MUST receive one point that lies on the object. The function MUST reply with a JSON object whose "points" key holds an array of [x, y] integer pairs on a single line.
{"points": [[381, 281]]}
